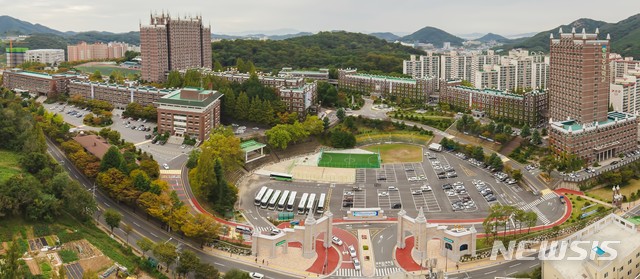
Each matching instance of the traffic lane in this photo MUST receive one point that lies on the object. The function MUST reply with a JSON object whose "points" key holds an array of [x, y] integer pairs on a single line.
{"points": [[505, 269], [385, 243], [142, 227]]}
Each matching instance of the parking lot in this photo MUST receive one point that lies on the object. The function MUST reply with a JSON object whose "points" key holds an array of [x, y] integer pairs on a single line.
{"points": [[411, 179], [161, 153]]}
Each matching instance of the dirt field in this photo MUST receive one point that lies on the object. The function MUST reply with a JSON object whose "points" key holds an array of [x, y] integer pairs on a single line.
{"points": [[33, 266], [397, 152], [90, 258], [97, 263]]}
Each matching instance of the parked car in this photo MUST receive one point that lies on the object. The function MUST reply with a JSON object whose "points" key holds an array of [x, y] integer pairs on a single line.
{"points": [[396, 206], [392, 188], [336, 241], [255, 275]]}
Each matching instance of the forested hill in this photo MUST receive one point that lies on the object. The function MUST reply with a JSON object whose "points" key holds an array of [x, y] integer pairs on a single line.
{"points": [[323, 50]]}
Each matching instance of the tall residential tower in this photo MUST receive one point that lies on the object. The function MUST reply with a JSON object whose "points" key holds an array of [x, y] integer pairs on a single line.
{"points": [[173, 44], [579, 100]]}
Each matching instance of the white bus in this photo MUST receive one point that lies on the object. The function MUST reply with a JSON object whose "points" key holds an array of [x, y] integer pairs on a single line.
{"points": [[320, 208], [303, 202], [265, 199], [274, 199], [260, 195], [311, 203], [283, 200], [291, 201]]}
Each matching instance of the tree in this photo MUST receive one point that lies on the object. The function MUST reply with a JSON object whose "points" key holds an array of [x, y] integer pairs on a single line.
{"points": [[140, 180], [188, 262], [236, 274], [342, 139], [127, 230], [548, 164], [206, 271], [78, 201], [112, 217], [166, 253], [96, 76], [516, 174], [526, 131], [112, 159], [194, 156], [10, 266], [201, 227], [279, 136], [325, 123], [340, 114], [535, 137], [145, 245], [174, 80], [243, 106], [313, 125], [150, 167], [192, 78]]}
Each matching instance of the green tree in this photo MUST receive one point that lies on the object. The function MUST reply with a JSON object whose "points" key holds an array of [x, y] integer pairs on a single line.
{"points": [[192, 78], [268, 115], [243, 106], [145, 245], [240, 67], [340, 114], [112, 159], [10, 266], [188, 262], [140, 180], [113, 218], [228, 102], [526, 131], [96, 76], [78, 201], [279, 136], [236, 274], [217, 66], [342, 139], [174, 80], [206, 271], [194, 156], [325, 123], [166, 253], [535, 137], [255, 110]]}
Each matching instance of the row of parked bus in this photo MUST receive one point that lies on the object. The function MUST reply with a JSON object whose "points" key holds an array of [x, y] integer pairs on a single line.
{"points": [[280, 200]]}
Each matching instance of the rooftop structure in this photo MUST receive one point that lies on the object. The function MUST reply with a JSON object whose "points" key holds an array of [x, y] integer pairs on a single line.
{"points": [[93, 144], [189, 111], [396, 88]]}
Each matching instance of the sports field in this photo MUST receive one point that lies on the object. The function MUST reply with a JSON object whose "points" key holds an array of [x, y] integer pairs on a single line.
{"points": [[397, 152], [346, 160], [9, 165], [106, 70]]}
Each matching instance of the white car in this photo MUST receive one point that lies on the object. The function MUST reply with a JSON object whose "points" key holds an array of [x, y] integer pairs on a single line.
{"points": [[255, 275], [356, 264], [425, 188], [392, 188], [336, 241], [383, 194], [352, 251], [165, 166]]}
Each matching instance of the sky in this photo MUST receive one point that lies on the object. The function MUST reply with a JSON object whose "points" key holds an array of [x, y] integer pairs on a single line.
{"points": [[505, 17]]}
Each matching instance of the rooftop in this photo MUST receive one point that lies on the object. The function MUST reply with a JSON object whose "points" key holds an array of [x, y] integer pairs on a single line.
{"points": [[175, 98], [251, 145], [610, 228], [574, 126], [40, 75], [94, 144], [389, 78], [498, 92]]}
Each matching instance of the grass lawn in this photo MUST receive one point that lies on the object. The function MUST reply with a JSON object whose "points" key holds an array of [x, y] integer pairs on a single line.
{"points": [[605, 193], [578, 203], [397, 152], [106, 70], [9, 165]]}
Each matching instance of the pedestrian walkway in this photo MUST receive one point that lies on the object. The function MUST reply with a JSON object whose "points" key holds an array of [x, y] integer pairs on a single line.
{"points": [[348, 272], [262, 229], [547, 196], [387, 271]]}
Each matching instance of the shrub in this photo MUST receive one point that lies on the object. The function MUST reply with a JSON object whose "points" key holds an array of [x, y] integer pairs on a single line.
{"points": [[41, 230], [68, 256], [365, 247]]}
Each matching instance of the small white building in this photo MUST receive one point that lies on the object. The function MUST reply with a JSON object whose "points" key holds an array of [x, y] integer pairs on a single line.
{"points": [[45, 56]]}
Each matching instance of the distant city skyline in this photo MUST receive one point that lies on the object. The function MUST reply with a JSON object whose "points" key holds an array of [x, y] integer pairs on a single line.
{"points": [[504, 17]]}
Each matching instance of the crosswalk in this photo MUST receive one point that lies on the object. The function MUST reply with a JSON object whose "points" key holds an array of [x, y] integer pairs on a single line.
{"points": [[541, 216], [545, 197], [262, 229], [348, 272], [387, 270]]}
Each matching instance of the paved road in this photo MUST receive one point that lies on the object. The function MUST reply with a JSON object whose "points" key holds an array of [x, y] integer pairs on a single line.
{"points": [[149, 228]]}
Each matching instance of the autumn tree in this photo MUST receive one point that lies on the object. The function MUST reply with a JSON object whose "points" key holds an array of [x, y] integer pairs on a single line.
{"points": [[166, 253], [145, 245], [113, 218], [201, 227], [112, 159]]}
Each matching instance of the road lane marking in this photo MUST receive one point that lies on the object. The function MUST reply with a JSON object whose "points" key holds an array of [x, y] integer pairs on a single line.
{"points": [[534, 265], [515, 265], [137, 224], [493, 271], [218, 263], [153, 234]]}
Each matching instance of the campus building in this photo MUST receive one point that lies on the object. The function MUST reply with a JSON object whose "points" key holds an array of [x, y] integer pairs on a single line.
{"points": [[529, 107], [416, 90], [45, 56], [579, 88], [321, 74], [270, 81], [173, 44], [117, 95], [597, 260], [36, 83], [189, 111], [15, 56], [299, 99], [98, 51]]}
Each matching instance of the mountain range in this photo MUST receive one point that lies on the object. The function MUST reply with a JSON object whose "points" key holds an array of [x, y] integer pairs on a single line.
{"points": [[625, 35]]}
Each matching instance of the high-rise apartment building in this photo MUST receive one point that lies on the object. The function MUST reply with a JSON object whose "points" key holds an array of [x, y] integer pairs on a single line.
{"points": [[83, 51], [580, 123], [173, 44], [422, 66], [45, 56]]}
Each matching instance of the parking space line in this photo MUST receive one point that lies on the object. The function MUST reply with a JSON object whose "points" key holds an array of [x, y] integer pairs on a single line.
{"points": [[383, 201], [394, 197]]}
